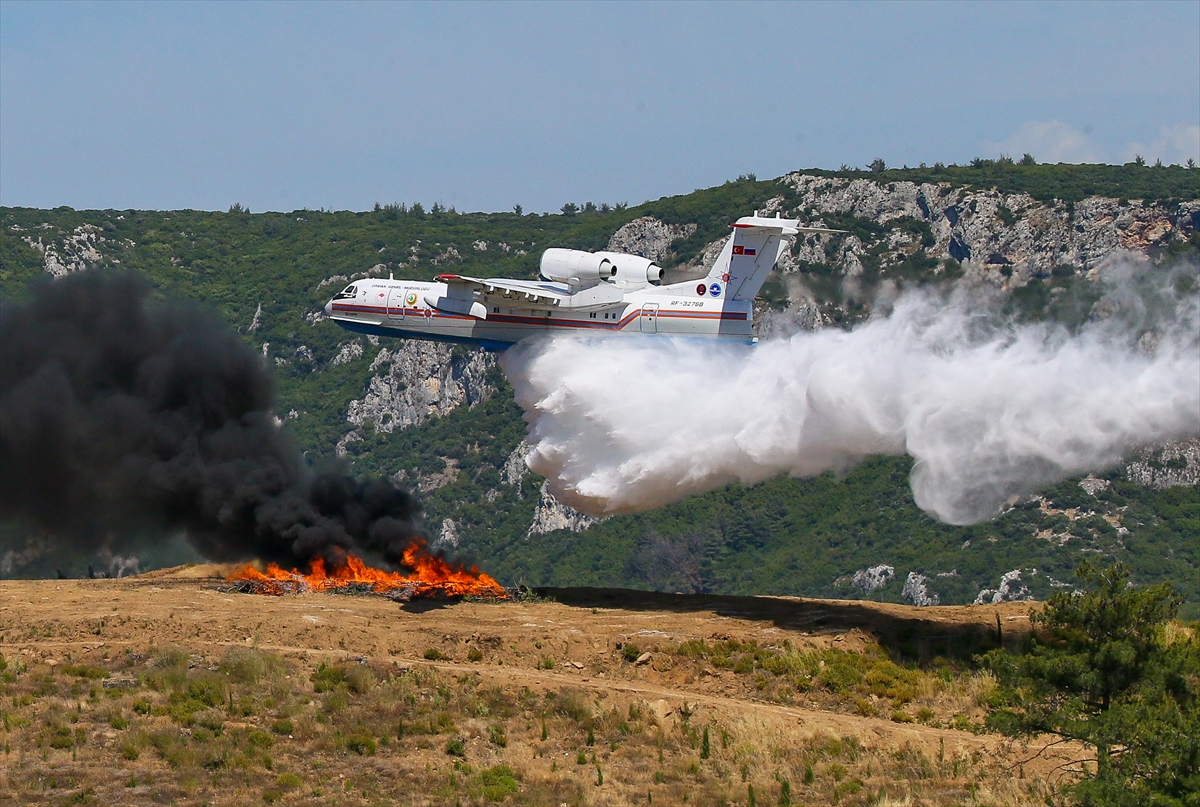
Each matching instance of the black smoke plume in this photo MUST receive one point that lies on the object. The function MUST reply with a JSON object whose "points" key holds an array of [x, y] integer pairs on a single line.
{"points": [[122, 413]]}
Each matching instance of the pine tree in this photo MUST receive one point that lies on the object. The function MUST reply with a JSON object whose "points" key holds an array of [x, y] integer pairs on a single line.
{"points": [[1106, 667]]}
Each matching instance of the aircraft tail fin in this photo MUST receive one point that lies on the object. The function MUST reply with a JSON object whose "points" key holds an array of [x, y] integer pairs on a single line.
{"points": [[750, 254]]}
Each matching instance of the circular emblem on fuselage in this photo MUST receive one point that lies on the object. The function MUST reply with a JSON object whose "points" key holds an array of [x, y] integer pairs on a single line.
{"points": [[715, 290], [411, 299], [701, 289]]}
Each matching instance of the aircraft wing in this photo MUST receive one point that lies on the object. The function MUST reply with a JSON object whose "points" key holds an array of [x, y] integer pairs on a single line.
{"points": [[514, 292], [531, 294]]}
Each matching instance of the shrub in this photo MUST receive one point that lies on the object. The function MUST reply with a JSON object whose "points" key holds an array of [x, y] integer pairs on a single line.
{"points": [[630, 651], [864, 708], [433, 654], [498, 783], [260, 739], [362, 744], [288, 781], [246, 665], [456, 748], [327, 678], [84, 671], [207, 689], [61, 737], [212, 720], [571, 703], [474, 654], [498, 736], [360, 679], [283, 727], [168, 658], [336, 701]]}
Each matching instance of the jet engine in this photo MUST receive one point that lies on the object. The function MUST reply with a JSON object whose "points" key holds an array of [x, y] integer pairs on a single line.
{"points": [[575, 267], [633, 270]]}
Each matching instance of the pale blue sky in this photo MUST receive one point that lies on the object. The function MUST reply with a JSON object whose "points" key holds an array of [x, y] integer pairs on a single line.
{"points": [[282, 105]]}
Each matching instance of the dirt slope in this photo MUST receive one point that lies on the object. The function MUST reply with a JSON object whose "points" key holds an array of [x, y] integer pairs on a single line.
{"points": [[570, 641]]}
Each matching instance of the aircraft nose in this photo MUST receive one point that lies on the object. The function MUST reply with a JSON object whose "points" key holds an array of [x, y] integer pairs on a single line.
{"points": [[329, 308]]}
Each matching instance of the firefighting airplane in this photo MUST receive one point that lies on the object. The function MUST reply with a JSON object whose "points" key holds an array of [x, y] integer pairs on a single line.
{"points": [[581, 292]]}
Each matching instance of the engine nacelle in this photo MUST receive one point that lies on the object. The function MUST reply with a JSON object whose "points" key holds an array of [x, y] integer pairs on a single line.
{"points": [[575, 267], [633, 270]]}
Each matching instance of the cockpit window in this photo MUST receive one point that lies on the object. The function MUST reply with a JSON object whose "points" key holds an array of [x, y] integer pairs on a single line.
{"points": [[348, 292]]}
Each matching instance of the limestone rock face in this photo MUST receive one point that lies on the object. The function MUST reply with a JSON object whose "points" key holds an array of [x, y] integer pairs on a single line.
{"points": [[990, 231], [1168, 466], [71, 253], [514, 470], [551, 515], [1011, 588], [448, 536], [416, 380], [648, 237], [799, 315], [916, 590], [347, 352], [873, 577]]}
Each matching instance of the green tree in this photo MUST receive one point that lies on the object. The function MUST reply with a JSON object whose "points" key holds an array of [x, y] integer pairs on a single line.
{"points": [[1108, 667]]}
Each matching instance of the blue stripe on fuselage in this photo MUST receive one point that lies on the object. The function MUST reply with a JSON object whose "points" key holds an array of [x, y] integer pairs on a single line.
{"points": [[400, 333]]}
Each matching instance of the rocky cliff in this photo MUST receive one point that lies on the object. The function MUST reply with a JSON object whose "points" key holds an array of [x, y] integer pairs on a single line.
{"points": [[412, 381], [1005, 238]]}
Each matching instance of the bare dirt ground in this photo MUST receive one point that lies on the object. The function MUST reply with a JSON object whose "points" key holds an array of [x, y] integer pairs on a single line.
{"points": [[726, 700]]}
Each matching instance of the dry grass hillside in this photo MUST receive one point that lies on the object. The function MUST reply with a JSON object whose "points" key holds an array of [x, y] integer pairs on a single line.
{"points": [[167, 689]]}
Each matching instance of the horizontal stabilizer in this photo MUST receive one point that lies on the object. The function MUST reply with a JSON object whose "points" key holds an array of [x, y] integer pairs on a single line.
{"points": [[779, 225]]}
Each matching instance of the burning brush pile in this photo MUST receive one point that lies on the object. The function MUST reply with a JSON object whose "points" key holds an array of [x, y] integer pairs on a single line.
{"points": [[431, 577]]}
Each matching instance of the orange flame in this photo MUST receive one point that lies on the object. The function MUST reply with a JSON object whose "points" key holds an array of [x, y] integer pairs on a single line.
{"points": [[431, 576]]}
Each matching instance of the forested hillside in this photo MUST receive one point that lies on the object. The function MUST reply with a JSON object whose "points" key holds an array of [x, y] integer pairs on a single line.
{"points": [[442, 420]]}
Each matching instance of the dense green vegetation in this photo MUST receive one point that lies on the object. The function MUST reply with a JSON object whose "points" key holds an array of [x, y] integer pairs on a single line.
{"points": [[268, 275], [1065, 182], [1108, 668]]}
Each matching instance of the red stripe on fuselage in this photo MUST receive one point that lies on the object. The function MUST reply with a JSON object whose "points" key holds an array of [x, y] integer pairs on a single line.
{"points": [[548, 321]]}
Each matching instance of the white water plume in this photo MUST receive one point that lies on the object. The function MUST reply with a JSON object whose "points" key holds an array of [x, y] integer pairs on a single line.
{"points": [[987, 408]]}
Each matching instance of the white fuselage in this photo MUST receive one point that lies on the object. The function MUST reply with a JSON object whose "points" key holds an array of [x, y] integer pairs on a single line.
{"points": [[403, 308], [581, 293]]}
